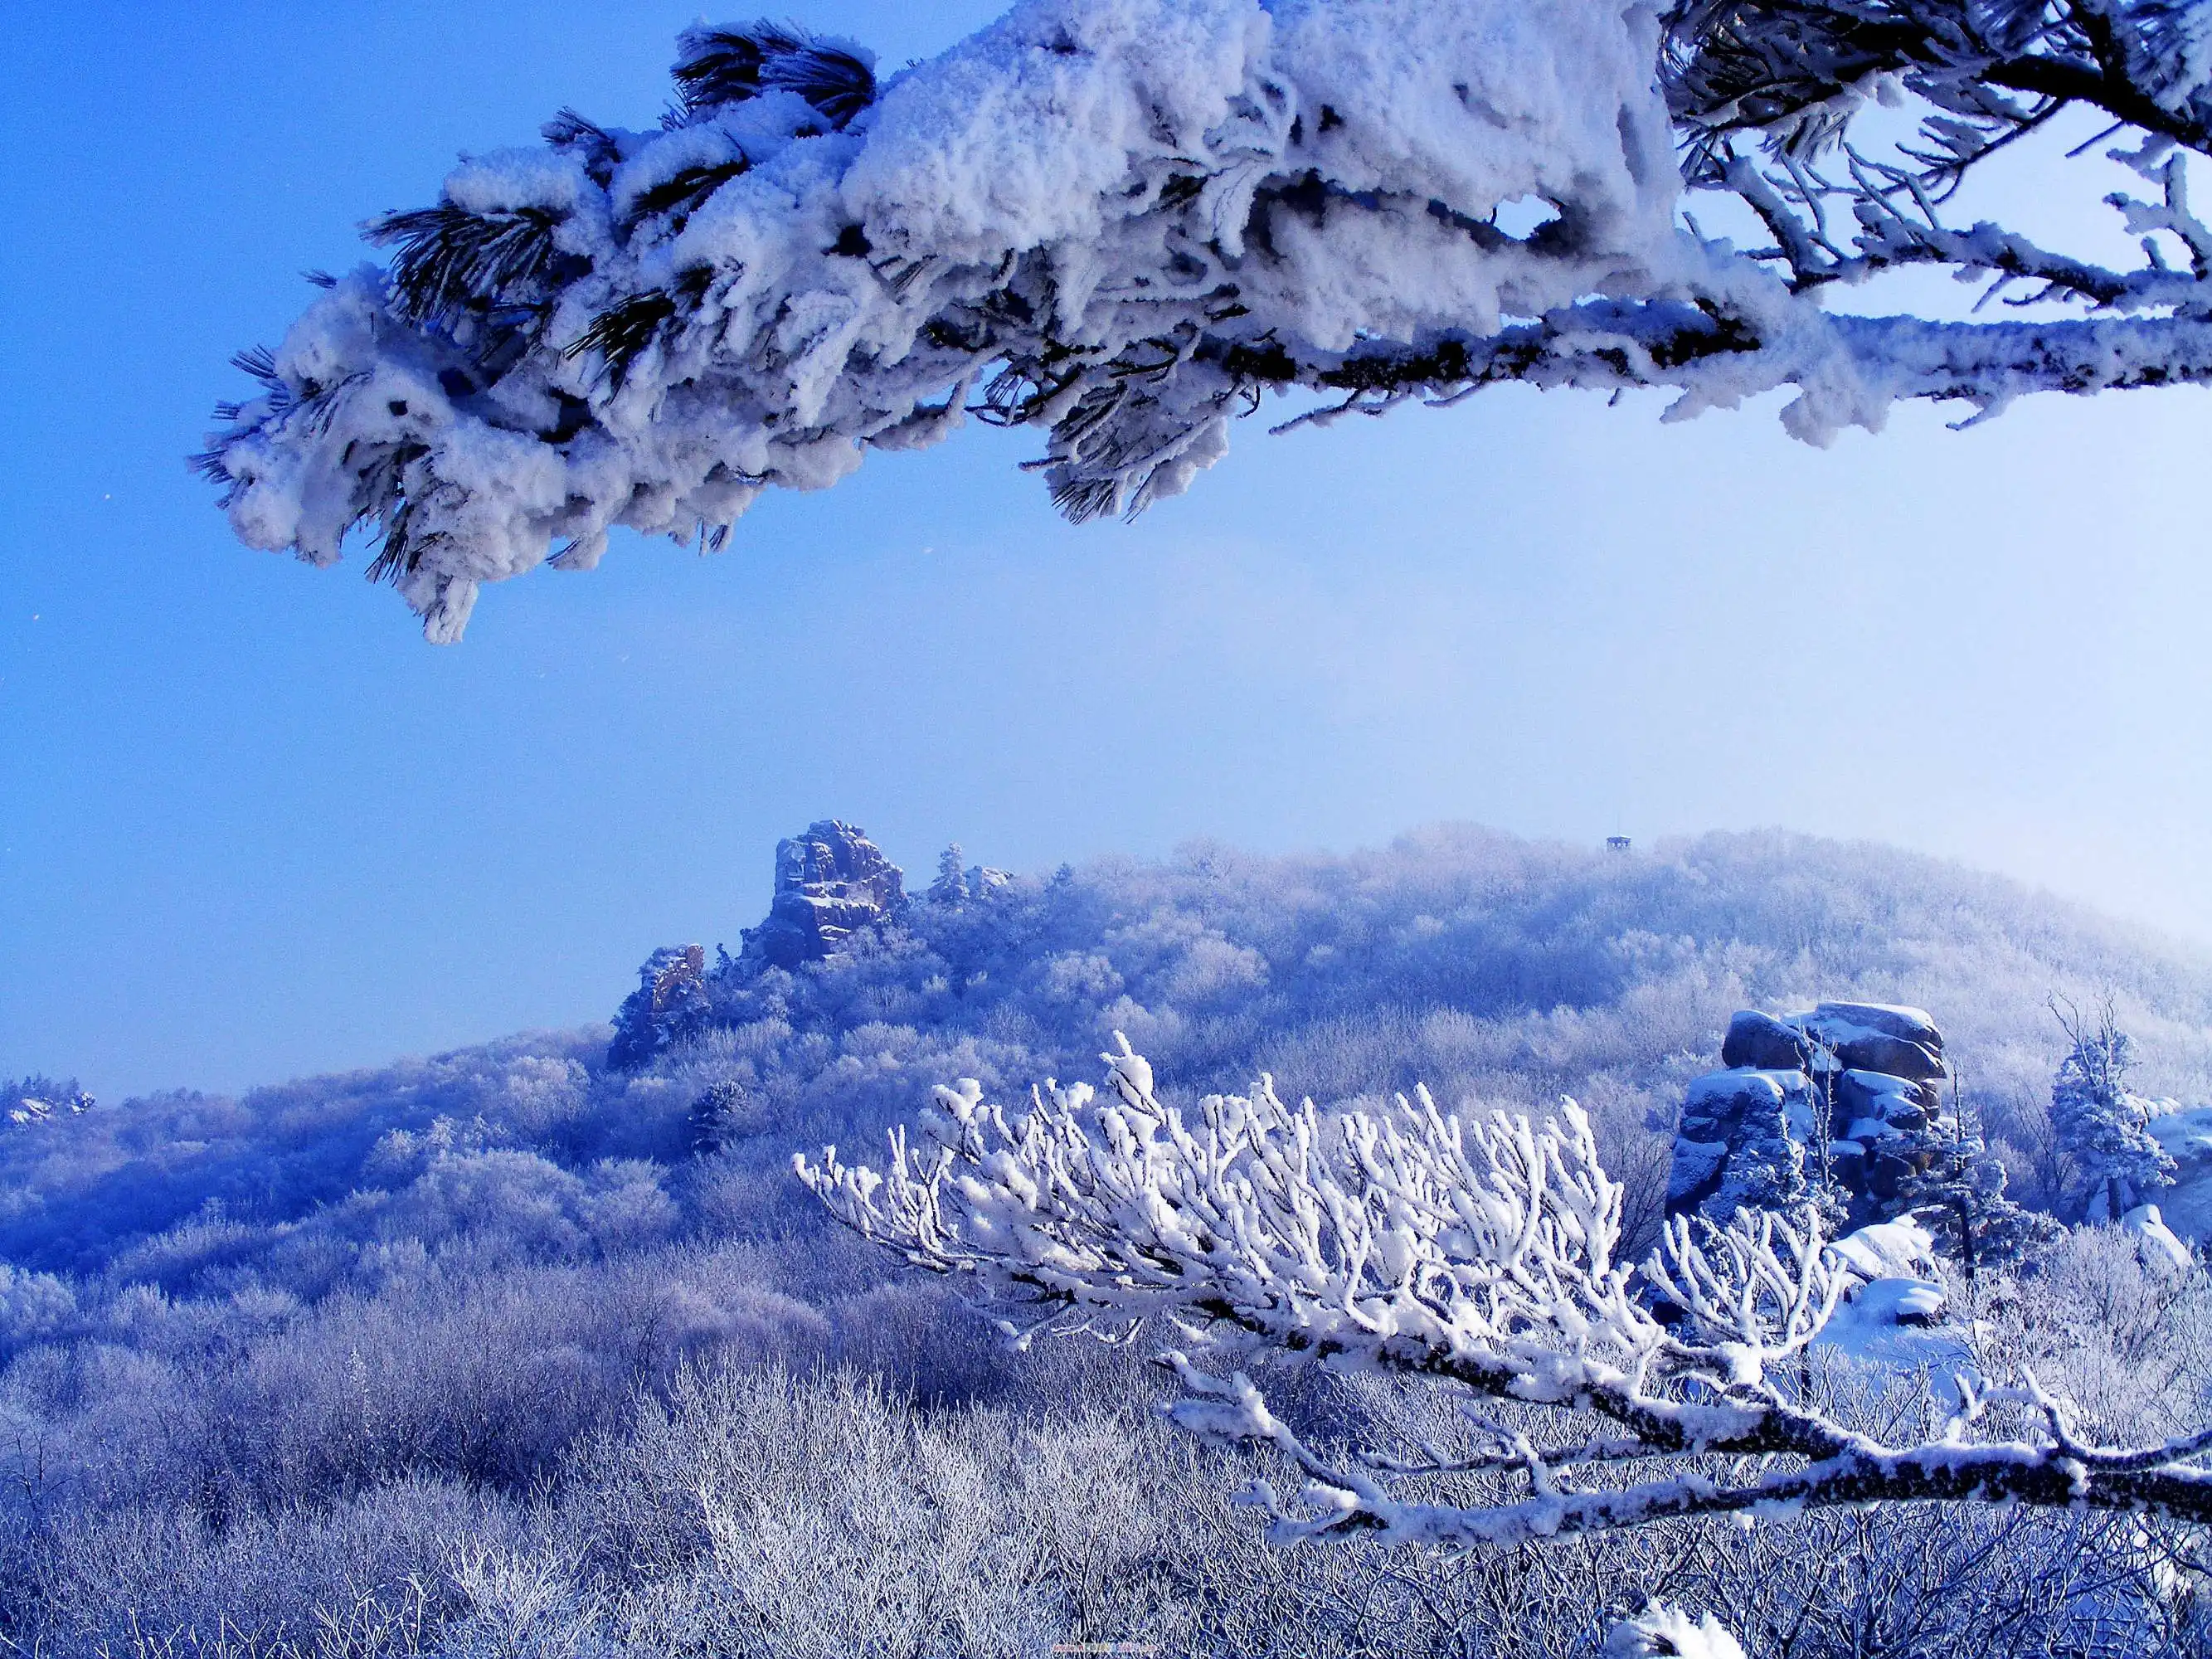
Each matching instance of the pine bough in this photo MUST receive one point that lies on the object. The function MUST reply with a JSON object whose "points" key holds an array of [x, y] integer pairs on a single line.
{"points": [[1479, 1253], [1124, 220]]}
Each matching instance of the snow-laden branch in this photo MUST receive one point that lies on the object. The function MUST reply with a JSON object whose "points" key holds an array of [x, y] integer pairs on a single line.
{"points": [[1124, 220], [1479, 1252]]}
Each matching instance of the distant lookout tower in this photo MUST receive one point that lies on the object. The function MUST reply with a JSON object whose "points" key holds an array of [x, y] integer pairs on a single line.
{"points": [[1616, 843]]}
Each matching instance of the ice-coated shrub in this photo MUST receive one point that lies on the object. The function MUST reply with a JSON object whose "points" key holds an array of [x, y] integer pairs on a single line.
{"points": [[32, 1305], [918, 1340], [2126, 1339], [366, 1576]]}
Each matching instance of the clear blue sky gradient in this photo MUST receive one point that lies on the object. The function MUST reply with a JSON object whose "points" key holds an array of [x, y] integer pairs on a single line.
{"points": [[251, 825]]}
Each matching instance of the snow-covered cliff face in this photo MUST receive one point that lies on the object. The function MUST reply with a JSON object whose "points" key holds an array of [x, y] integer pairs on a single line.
{"points": [[831, 881]]}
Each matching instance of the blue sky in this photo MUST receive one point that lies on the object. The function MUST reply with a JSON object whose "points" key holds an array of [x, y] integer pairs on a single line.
{"points": [[253, 826]]}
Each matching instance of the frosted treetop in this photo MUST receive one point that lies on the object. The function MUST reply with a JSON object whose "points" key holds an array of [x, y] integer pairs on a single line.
{"points": [[1124, 220]]}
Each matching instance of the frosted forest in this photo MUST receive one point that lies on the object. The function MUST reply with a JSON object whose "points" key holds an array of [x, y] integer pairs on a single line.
{"points": [[540, 1347], [1747, 1246]]}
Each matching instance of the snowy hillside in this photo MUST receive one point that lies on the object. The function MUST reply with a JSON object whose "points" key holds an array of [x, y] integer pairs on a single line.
{"points": [[1481, 964], [370, 1314]]}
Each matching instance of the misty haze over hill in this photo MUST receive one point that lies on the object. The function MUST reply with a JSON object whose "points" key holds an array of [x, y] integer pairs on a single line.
{"points": [[1487, 966]]}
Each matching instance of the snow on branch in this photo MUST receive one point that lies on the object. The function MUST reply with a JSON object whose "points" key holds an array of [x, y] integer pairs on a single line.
{"points": [[1123, 221], [1479, 1253]]}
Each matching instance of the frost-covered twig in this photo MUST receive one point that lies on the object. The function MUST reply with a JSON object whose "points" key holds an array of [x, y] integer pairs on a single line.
{"points": [[1123, 222], [1476, 1252]]}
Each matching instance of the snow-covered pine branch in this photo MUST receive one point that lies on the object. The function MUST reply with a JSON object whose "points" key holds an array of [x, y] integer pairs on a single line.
{"points": [[1125, 220], [1474, 1252]]}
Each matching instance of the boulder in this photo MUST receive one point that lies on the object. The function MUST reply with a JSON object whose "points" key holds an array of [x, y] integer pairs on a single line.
{"points": [[1872, 1036], [2156, 1243], [1761, 1041], [1741, 1143], [1916, 1303], [1891, 1019], [1887, 1249], [1896, 1102], [830, 883]]}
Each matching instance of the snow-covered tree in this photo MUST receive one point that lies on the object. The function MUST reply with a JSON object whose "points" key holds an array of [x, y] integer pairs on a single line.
{"points": [[1957, 1191], [1476, 1253], [2099, 1121], [1124, 222], [951, 886], [723, 1113]]}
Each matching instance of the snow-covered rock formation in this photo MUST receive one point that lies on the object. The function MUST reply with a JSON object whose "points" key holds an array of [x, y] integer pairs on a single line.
{"points": [[831, 881], [2161, 1251], [670, 1003], [2186, 1133], [1841, 1096], [37, 1099]]}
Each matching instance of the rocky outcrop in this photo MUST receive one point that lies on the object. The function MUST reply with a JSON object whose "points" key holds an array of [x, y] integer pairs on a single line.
{"points": [[37, 1099], [1741, 1142], [831, 881], [671, 1003], [1868, 1036], [1842, 1096], [2186, 1133], [1761, 1043], [1873, 1036]]}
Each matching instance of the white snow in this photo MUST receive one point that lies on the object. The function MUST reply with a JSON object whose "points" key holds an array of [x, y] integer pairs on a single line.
{"points": [[1889, 1315], [1887, 1249], [1119, 220], [1661, 1630], [2154, 1239]]}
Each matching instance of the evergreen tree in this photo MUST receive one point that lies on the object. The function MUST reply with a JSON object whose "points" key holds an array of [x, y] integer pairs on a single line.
{"points": [[1958, 1193], [1246, 215], [951, 886], [2100, 1123], [726, 1112]]}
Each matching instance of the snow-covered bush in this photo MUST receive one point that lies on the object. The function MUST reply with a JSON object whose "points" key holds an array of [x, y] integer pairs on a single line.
{"points": [[1126, 221], [32, 1305], [2101, 1124], [2127, 1342], [1481, 1253], [363, 1576], [1102, 1525]]}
